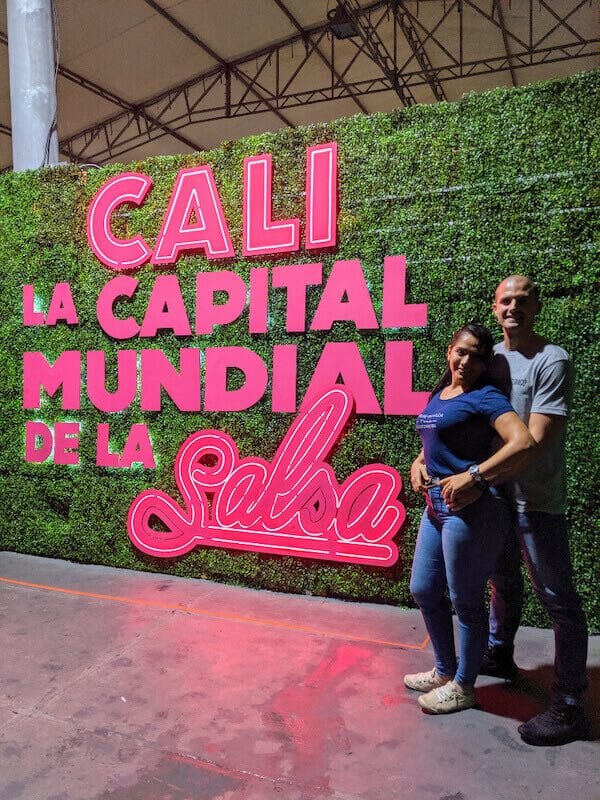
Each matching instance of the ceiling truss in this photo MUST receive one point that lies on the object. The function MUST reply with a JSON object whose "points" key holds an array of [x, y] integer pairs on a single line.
{"points": [[268, 81]]}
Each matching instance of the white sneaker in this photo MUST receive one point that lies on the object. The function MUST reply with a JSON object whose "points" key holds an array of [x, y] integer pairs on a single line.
{"points": [[448, 698], [426, 681]]}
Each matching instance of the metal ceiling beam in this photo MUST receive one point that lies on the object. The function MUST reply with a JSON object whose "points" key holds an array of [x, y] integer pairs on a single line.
{"points": [[96, 89], [307, 36], [375, 47], [417, 46], [498, 10], [475, 6], [7, 131], [429, 35], [562, 21], [363, 87], [133, 108], [117, 146], [220, 93], [227, 65]]}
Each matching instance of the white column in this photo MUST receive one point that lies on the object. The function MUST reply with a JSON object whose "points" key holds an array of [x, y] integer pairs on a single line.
{"points": [[32, 83]]}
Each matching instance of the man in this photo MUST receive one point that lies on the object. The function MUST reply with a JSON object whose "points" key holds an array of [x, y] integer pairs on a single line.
{"points": [[540, 390], [541, 386]]}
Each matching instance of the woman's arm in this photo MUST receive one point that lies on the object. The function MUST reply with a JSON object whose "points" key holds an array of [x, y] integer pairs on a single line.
{"points": [[419, 476], [503, 464]]}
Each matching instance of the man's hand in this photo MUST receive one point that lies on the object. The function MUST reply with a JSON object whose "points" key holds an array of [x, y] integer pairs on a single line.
{"points": [[419, 477]]}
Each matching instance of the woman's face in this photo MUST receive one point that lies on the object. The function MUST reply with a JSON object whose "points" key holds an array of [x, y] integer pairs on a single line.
{"points": [[465, 360]]}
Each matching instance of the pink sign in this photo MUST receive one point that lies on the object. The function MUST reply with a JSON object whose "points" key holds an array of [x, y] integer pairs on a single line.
{"points": [[195, 221], [290, 506]]}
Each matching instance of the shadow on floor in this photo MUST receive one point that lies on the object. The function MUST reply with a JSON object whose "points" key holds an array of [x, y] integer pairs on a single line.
{"points": [[522, 700]]}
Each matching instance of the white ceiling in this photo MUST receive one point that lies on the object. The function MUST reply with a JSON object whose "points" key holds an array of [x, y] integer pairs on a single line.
{"points": [[132, 53]]}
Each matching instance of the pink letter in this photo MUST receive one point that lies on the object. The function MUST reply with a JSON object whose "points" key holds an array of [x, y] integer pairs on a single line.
{"points": [[66, 440], [209, 313], [118, 254], [368, 508], [399, 397], [395, 313], [283, 383], [104, 457], [33, 431], [126, 389], [261, 234], [65, 373], [321, 196], [218, 360], [30, 315], [194, 195], [158, 373], [62, 306], [138, 448], [194, 478], [123, 286], [299, 480], [345, 281], [343, 360], [166, 310], [295, 279], [259, 300]]}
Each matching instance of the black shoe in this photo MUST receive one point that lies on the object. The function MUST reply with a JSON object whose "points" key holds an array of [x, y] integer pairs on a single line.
{"points": [[559, 724], [498, 662]]}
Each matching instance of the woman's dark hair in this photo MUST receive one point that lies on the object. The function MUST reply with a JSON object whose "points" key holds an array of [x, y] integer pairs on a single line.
{"points": [[486, 349]]}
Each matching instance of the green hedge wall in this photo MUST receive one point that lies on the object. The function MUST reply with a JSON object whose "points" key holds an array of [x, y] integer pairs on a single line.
{"points": [[500, 182]]}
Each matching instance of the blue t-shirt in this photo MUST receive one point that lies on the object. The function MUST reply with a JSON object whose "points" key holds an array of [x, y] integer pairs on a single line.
{"points": [[457, 432]]}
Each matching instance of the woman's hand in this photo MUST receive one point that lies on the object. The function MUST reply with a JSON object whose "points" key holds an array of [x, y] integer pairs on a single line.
{"points": [[467, 496], [457, 490], [419, 477]]}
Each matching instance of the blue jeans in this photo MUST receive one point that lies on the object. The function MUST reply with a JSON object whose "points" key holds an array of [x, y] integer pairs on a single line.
{"points": [[458, 550], [544, 542]]}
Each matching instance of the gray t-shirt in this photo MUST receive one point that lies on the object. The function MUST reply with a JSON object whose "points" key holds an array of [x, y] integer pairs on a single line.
{"points": [[541, 384]]}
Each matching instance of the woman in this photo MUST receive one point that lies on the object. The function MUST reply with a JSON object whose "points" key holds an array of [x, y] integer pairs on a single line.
{"points": [[466, 519]]}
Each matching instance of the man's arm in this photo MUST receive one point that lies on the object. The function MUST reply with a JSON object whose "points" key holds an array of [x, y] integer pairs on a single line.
{"points": [[503, 464], [543, 428], [550, 405]]}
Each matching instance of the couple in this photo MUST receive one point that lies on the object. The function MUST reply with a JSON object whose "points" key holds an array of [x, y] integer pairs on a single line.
{"points": [[473, 441]]}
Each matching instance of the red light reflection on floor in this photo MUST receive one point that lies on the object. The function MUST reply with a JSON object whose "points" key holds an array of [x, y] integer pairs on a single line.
{"points": [[136, 601]]}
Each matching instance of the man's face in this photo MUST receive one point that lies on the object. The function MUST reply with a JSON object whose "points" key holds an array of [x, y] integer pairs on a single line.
{"points": [[515, 305]]}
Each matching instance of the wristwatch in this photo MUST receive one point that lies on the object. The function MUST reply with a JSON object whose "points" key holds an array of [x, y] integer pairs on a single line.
{"points": [[480, 481]]}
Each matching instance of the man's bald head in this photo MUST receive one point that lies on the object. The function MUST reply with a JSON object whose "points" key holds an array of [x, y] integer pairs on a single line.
{"points": [[515, 306], [520, 283]]}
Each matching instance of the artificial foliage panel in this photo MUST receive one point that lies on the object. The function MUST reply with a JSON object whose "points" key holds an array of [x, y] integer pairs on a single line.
{"points": [[498, 183]]}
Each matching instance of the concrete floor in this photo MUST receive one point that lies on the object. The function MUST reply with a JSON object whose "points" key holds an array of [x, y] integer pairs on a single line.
{"points": [[119, 685]]}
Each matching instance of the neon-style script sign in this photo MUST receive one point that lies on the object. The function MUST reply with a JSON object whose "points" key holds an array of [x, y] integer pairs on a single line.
{"points": [[290, 506]]}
